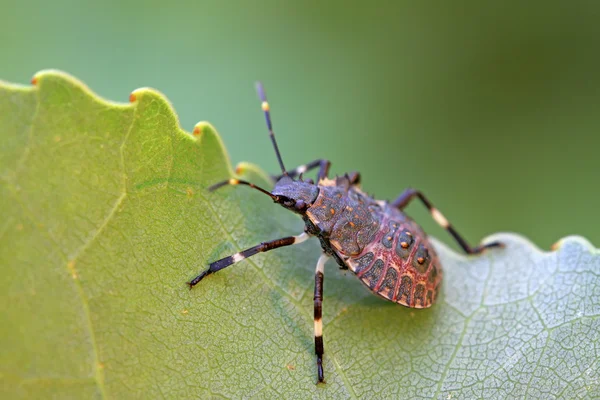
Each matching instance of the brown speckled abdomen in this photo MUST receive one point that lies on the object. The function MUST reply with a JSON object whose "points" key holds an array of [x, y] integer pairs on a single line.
{"points": [[399, 264]]}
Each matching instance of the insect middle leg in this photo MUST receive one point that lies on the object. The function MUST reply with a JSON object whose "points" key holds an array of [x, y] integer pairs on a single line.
{"points": [[323, 169], [242, 255], [409, 194], [318, 301]]}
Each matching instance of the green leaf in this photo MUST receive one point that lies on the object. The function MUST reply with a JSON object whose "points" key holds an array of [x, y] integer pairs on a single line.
{"points": [[104, 217]]}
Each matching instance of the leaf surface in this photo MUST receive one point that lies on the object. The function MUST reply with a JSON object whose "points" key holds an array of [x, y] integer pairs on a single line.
{"points": [[104, 216]]}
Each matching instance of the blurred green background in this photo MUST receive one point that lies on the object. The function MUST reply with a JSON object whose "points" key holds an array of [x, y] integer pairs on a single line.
{"points": [[490, 109]]}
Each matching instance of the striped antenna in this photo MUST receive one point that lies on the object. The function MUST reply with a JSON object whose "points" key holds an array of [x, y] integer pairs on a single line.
{"points": [[235, 182], [265, 107]]}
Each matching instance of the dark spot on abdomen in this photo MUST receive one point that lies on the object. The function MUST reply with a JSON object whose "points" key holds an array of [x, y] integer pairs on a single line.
{"points": [[421, 259], [404, 244], [388, 239], [372, 276], [420, 295], [389, 283], [363, 262], [391, 276], [405, 290], [433, 273]]}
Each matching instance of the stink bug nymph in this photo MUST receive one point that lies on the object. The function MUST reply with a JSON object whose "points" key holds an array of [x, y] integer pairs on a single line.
{"points": [[380, 244]]}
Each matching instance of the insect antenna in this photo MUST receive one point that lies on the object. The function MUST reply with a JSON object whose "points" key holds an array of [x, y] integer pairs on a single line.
{"points": [[266, 109], [235, 182]]}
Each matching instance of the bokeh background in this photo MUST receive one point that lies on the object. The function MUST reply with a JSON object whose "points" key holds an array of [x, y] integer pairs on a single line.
{"points": [[490, 109]]}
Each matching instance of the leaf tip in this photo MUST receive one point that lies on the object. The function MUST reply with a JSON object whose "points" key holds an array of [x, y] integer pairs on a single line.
{"points": [[151, 102], [132, 97], [556, 245], [201, 128], [137, 94], [252, 173], [150, 95], [574, 240], [240, 169], [58, 76]]}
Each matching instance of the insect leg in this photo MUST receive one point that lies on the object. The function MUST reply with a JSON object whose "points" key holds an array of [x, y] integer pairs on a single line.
{"points": [[237, 257], [322, 164], [409, 194], [318, 299], [354, 177]]}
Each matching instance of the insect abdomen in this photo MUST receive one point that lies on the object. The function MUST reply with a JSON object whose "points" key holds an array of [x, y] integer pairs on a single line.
{"points": [[382, 246], [399, 264]]}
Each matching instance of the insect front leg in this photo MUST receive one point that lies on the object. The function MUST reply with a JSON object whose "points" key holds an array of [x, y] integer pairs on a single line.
{"points": [[409, 194], [323, 169], [318, 301], [242, 255]]}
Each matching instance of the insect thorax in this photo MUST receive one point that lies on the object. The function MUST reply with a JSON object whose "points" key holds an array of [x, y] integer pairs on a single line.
{"points": [[347, 218]]}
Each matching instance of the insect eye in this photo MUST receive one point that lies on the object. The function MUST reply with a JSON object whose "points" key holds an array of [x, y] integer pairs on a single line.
{"points": [[300, 205], [288, 202]]}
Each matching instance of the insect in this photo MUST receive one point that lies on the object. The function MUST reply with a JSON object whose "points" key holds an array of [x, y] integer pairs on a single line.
{"points": [[384, 247]]}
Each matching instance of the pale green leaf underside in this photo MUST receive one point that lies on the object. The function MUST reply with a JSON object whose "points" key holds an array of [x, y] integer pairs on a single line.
{"points": [[104, 216]]}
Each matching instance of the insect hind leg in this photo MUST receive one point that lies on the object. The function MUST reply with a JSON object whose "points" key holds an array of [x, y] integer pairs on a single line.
{"points": [[409, 194]]}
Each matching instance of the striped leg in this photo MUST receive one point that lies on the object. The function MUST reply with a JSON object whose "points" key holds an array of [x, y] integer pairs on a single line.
{"points": [[323, 169], [237, 257], [318, 299], [409, 194]]}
